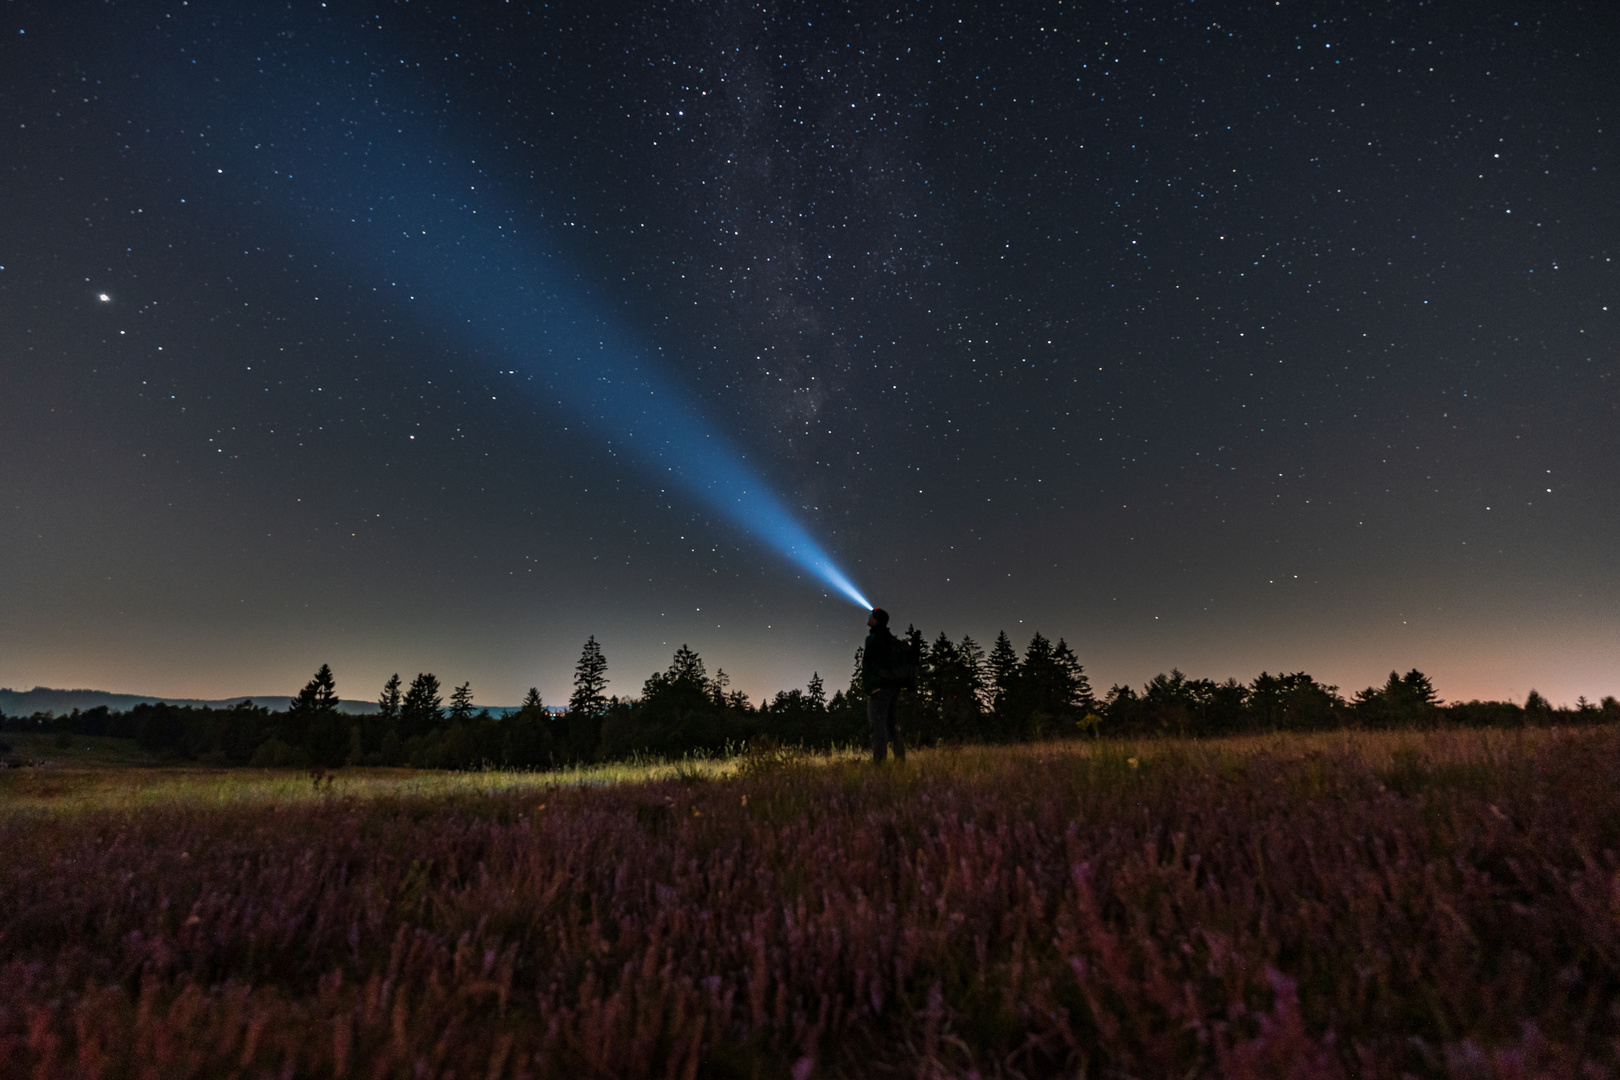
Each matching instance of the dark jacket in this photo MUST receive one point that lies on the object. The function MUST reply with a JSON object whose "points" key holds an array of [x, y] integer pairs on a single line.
{"points": [[877, 660]]}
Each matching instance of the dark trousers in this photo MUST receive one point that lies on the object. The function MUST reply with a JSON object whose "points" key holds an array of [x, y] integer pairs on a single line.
{"points": [[883, 714]]}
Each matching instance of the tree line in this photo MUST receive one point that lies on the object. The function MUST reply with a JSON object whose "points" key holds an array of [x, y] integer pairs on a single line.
{"points": [[965, 693]]}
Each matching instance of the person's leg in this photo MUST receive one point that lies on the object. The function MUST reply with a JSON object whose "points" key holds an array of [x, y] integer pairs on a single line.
{"points": [[894, 726], [877, 718]]}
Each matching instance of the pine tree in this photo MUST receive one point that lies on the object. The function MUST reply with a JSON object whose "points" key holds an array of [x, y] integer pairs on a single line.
{"points": [[816, 692], [918, 645], [388, 703], [461, 705], [532, 700], [1031, 706], [1039, 651], [1419, 690], [916, 714], [686, 668], [312, 719], [971, 655], [686, 681], [936, 677], [590, 682], [717, 687], [318, 695], [944, 664], [1003, 664], [1074, 675], [954, 687], [420, 711], [1403, 702]]}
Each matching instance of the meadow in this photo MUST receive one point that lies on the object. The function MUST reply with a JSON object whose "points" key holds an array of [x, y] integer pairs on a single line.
{"points": [[1347, 904]]}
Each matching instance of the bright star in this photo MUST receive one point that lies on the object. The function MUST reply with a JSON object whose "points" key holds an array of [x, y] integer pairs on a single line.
{"points": [[105, 298]]}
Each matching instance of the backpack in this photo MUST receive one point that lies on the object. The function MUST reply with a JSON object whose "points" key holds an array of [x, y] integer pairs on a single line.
{"points": [[903, 664]]}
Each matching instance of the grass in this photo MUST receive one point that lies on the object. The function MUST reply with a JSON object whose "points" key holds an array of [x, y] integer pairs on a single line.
{"points": [[1332, 905], [106, 775]]}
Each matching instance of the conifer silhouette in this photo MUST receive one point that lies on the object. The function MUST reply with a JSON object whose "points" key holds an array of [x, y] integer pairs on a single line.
{"points": [[421, 711], [590, 681], [388, 702]]}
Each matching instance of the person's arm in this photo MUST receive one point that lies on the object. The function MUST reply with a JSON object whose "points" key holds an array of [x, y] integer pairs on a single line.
{"points": [[872, 664]]}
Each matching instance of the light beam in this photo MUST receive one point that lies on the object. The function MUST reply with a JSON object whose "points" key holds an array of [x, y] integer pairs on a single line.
{"points": [[400, 205]]}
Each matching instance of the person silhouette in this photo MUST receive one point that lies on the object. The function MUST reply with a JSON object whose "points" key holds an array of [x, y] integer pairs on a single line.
{"points": [[879, 660]]}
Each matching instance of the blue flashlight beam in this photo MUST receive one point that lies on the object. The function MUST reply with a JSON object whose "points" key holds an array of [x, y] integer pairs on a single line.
{"points": [[393, 202], [635, 407]]}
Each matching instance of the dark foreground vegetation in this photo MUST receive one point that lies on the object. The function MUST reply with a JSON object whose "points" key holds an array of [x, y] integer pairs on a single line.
{"points": [[964, 695], [1344, 905]]}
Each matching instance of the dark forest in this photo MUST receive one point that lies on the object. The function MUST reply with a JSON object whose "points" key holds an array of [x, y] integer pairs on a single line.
{"points": [[964, 694]]}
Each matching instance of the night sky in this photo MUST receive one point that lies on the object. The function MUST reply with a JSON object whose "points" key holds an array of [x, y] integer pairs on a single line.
{"points": [[1223, 337]]}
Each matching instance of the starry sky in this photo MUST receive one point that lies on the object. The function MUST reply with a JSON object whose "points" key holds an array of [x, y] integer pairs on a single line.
{"points": [[1213, 336]]}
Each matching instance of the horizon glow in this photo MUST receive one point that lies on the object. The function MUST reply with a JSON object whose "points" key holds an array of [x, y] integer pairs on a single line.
{"points": [[400, 210]]}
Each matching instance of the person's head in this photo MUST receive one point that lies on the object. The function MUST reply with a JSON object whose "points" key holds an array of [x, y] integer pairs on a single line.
{"points": [[878, 618]]}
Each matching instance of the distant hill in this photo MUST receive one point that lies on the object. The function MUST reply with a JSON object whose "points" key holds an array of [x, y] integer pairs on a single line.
{"points": [[61, 702]]}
